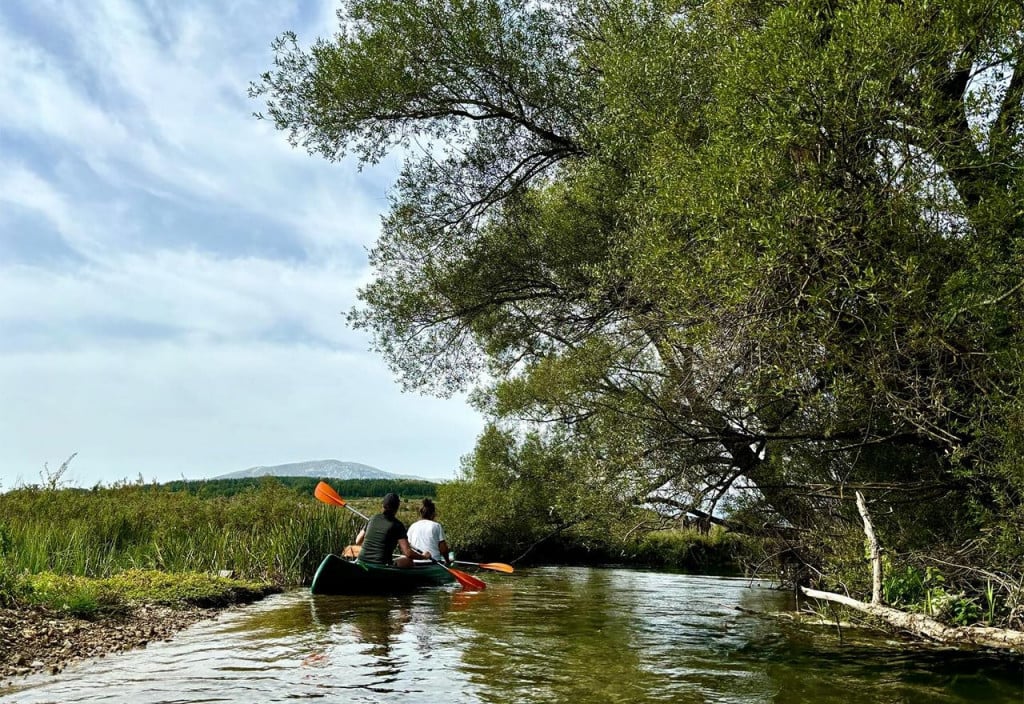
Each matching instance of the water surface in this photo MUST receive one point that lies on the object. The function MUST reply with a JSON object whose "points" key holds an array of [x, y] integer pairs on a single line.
{"points": [[542, 635]]}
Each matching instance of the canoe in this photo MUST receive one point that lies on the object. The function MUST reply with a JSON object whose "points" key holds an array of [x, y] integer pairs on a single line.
{"points": [[338, 576]]}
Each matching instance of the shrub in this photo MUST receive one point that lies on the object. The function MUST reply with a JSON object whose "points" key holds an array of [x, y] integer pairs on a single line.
{"points": [[690, 549], [13, 589]]}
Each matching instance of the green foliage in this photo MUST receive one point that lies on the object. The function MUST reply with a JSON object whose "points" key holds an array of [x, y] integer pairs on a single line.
{"points": [[964, 611], [13, 589], [991, 603], [691, 550], [696, 250], [925, 591], [533, 497], [909, 586], [5, 540], [500, 505], [76, 595]]}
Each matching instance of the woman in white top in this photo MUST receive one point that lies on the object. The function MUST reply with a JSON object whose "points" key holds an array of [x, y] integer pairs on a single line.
{"points": [[427, 535]]}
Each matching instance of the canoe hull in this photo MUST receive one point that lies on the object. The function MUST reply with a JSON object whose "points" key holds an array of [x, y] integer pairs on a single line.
{"points": [[338, 576]]}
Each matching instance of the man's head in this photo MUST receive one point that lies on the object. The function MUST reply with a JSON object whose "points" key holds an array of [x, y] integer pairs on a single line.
{"points": [[391, 503]]}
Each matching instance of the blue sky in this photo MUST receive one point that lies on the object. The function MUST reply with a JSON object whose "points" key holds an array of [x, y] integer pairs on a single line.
{"points": [[173, 275]]}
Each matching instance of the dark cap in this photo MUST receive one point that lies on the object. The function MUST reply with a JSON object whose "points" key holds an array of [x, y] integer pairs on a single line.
{"points": [[391, 502]]}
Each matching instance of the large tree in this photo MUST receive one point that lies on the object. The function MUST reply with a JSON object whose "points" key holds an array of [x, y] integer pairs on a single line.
{"points": [[728, 248]]}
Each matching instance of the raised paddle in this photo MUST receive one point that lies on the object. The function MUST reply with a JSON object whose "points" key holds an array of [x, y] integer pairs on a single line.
{"points": [[326, 493], [496, 566]]}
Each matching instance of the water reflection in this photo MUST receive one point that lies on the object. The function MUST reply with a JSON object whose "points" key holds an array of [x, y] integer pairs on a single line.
{"points": [[543, 635], [572, 643]]}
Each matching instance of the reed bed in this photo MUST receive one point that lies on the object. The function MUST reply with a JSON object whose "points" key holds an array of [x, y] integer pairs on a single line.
{"points": [[266, 533]]}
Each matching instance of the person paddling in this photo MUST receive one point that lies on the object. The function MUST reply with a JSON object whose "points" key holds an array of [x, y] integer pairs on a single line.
{"points": [[384, 533], [427, 534]]}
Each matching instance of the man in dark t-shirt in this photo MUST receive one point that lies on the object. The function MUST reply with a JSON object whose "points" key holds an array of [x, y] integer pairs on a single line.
{"points": [[383, 534]]}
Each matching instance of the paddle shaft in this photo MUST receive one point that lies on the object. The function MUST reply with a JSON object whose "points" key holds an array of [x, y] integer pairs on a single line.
{"points": [[357, 512]]}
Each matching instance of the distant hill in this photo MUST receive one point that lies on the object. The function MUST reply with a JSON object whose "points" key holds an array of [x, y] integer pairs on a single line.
{"points": [[318, 469]]}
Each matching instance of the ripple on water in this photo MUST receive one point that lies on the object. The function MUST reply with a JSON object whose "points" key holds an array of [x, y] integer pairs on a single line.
{"points": [[541, 635]]}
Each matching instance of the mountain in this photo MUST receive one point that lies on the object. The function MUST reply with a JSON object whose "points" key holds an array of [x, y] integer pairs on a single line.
{"points": [[318, 469]]}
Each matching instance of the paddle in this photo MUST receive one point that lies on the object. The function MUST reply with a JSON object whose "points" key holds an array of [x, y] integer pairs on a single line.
{"points": [[496, 566], [467, 581], [326, 493]]}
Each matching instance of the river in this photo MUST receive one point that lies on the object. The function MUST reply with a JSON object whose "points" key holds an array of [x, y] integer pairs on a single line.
{"points": [[553, 634]]}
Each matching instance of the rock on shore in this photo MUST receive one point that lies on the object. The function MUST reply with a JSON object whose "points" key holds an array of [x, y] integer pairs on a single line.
{"points": [[35, 639]]}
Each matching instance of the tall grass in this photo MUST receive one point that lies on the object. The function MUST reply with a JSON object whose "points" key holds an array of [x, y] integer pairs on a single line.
{"points": [[266, 533]]}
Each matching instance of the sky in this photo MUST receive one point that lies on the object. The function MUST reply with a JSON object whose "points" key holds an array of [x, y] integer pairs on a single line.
{"points": [[173, 275]]}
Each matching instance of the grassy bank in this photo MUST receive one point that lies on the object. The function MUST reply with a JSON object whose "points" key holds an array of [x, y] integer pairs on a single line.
{"points": [[90, 597]]}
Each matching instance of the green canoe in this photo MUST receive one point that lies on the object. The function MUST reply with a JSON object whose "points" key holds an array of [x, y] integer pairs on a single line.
{"points": [[339, 576]]}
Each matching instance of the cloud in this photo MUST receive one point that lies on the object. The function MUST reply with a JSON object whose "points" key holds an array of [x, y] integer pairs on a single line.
{"points": [[49, 103], [173, 274], [187, 294], [23, 189], [163, 110], [143, 408]]}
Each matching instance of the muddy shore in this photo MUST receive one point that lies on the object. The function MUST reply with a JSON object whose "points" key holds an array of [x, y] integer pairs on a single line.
{"points": [[36, 640]]}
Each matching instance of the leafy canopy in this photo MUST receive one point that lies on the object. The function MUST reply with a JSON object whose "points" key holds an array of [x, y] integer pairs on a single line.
{"points": [[727, 251]]}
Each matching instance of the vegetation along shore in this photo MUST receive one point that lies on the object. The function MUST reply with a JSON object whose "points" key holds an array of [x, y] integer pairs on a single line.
{"points": [[88, 572], [85, 572]]}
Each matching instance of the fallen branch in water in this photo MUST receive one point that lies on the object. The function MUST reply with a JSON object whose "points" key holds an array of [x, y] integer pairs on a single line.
{"points": [[917, 624], [921, 625]]}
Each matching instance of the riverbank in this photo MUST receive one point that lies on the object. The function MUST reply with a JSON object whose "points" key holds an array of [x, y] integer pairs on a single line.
{"points": [[37, 639], [40, 632]]}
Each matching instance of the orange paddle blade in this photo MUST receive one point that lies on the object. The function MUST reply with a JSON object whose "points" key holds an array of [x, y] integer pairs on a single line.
{"points": [[496, 566], [326, 493], [466, 580]]}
